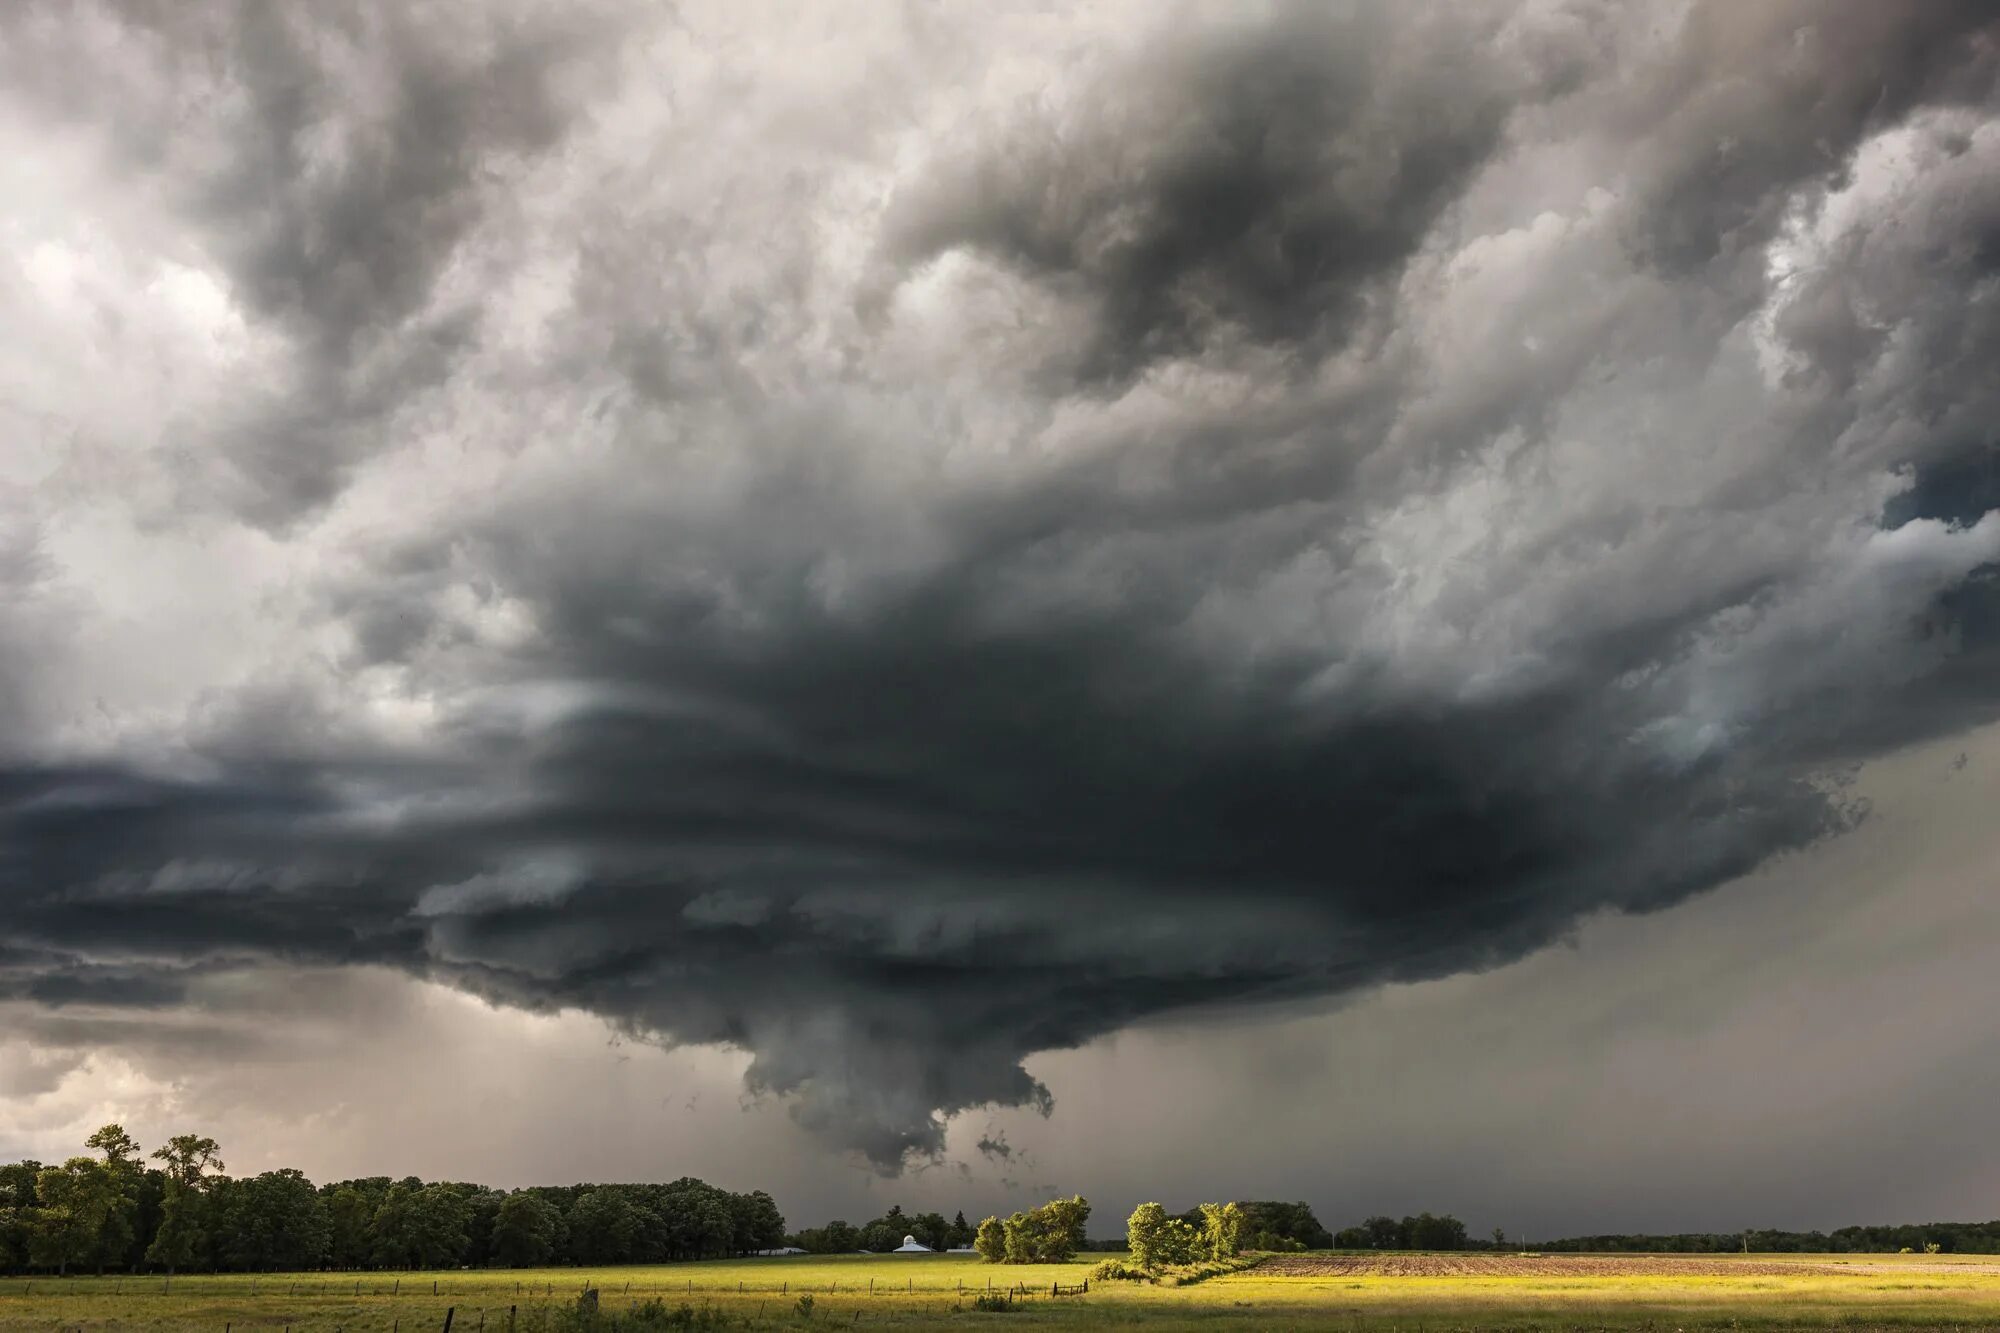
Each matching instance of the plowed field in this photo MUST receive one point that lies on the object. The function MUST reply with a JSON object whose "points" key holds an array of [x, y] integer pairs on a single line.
{"points": [[1535, 1265]]}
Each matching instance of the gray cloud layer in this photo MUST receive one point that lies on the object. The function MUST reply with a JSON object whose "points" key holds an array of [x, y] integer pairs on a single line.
{"points": [[1136, 513]]}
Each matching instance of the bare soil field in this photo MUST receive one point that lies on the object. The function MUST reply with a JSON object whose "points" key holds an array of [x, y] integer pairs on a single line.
{"points": [[1539, 1265]]}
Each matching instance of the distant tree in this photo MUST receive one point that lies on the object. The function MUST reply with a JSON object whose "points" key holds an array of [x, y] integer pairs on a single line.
{"points": [[524, 1231], [1269, 1224], [76, 1200], [183, 1235], [604, 1227], [759, 1224], [350, 1217], [17, 1211], [1386, 1233], [1499, 1239], [276, 1220], [188, 1158], [931, 1229], [421, 1226], [991, 1240], [1426, 1232], [121, 1160], [961, 1234]]}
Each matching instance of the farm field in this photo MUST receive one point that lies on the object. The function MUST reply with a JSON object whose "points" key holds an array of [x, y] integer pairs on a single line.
{"points": [[1348, 1291]]}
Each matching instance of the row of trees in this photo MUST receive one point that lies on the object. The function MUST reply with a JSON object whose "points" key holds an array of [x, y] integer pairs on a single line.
{"points": [[886, 1233], [1422, 1232], [1049, 1234], [1948, 1237], [1157, 1240], [114, 1211]]}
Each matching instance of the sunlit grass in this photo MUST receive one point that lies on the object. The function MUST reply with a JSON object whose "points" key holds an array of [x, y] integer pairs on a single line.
{"points": [[1849, 1291]]}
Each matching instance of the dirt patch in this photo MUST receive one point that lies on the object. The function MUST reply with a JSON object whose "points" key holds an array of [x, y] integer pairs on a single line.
{"points": [[1545, 1265]]}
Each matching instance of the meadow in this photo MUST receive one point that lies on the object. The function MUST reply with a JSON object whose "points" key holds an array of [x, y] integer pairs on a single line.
{"points": [[1414, 1292]]}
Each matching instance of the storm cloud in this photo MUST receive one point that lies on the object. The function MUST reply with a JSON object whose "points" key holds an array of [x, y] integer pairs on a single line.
{"points": [[899, 546]]}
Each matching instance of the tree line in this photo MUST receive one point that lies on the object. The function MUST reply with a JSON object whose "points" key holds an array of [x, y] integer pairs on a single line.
{"points": [[1916, 1238], [886, 1233], [115, 1211]]}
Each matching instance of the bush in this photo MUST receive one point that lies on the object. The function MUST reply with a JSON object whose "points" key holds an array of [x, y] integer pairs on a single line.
{"points": [[994, 1302], [1202, 1272], [1118, 1270]]}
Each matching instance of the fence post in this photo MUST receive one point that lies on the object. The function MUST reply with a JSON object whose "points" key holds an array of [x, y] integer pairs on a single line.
{"points": [[510, 1319], [449, 1311]]}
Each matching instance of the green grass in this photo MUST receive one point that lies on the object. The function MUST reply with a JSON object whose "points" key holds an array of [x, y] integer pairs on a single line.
{"points": [[1882, 1291]]}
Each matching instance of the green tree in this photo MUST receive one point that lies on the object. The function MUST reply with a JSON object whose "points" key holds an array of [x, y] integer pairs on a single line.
{"points": [[121, 1160], [524, 1231], [76, 1198], [991, 1240], [420, 1226], [961, 1232], [1142, 1234], [183, 1233], [931, 1229], [188, 1158], [1426, 1232], [604, 1227], [1221, 1230], [350, 1218], [276, 1220], [17, 1211], [758, 1223], [1048, 1234]]}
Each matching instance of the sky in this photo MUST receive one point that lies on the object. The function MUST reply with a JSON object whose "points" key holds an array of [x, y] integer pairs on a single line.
{"points": [[1392, 604]]}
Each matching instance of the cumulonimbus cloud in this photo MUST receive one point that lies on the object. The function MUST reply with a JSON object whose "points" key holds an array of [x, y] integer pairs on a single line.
{"points": [[1163, 515]]}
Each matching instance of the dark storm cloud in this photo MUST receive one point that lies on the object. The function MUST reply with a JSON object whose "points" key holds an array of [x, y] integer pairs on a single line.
{"points": [[348, 158], [1318, 660], [1257, 185]]}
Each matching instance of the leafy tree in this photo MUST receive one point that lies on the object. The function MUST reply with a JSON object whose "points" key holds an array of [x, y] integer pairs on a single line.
{"points": [[350, 1216], [524, 1230], [77, 1199], [961, 1232], [758, 1223], [17, 1211], [121, 1160], [931, 1229], [991, 1240], [1426, 1232], [1221, 1229], [1048, 1234], [183, 1233], [276, 1220], [1142, 1234], [1386, 1233], [420, 1226], [1269, 1224], [188, 1158], [604, 1228]]}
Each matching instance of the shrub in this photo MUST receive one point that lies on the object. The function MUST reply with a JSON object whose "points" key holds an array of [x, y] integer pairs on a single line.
{"points": [[994, 1302], [1118, 1270]]}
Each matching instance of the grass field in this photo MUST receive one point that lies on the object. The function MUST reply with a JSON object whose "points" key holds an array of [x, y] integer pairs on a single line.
{"points": [[1428, 1292]]}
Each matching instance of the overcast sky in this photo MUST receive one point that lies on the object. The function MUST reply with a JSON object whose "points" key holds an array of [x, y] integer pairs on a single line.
{"points": [[1388, 602]]}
